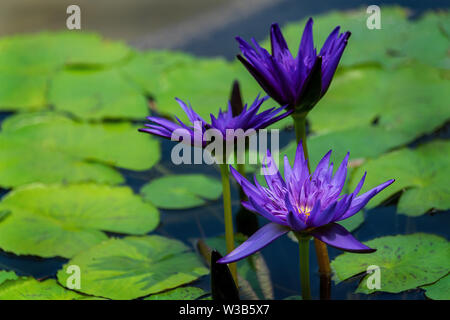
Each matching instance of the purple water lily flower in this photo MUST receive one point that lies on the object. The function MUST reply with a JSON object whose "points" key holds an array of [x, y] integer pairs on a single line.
{"points": [[297, 82], [248, 118], [304, 203]]}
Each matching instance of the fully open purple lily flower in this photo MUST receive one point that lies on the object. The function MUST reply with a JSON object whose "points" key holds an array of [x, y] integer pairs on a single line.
{"points": [[297, 82], [309, 204], [248, 118]]}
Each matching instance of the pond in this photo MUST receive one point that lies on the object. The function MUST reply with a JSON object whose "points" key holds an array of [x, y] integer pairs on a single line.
{"points": [[67, 129]]}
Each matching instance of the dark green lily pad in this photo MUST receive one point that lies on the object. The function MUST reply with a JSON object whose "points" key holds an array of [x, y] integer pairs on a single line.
{"points": [[61, 221], [439, 290], [134, 267], [420, 173], [405, 261], [97, 94], [430, 31], [183, 293], [181, 191], [26, 288]]}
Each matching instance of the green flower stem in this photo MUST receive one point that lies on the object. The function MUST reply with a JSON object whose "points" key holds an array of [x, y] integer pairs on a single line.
{"points": [[228, 217], [303, 245], [321, 248]]}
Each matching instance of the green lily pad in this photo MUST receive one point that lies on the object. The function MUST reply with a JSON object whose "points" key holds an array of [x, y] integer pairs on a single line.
{"points": [[353, 100], [429, 32], [31, 289], [405, 262], [48, 166], [439, 290], [20, 91], [63, 150], [134, 267], [350, 140], [421, 175], [61, 221], [28, 62], [48, 51], [7, 275], [183, 293], [407, 99], [205, 83], [181, 191], [97, 94]]}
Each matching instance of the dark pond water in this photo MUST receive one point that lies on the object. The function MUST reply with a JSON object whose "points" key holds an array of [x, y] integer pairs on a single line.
{"points": [[282, 255]]}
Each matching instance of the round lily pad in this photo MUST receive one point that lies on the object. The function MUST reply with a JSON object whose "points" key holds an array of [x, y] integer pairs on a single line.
{"points": [[181, 191], [422, 174], [134, 267], [405, 262], [63, 220], [37, 137], [97, 94]]}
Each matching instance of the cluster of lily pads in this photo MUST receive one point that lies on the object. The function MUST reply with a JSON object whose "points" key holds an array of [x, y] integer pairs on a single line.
{"points": [[76, 97]]}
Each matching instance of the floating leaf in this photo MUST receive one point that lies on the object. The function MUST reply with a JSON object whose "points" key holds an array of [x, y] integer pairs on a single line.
{"points": [[422, 173], [20, 91], [30, 289], [48, 140], [353, 100], [181, 191], [353, 140], [205, 83], [183, 293], [27, 63], [405, 262], [7, 275], [408, 100], [63, 220], [97, 94], [24, 162], [429, 32], [46, 52], [439, 290], [134, 267]]}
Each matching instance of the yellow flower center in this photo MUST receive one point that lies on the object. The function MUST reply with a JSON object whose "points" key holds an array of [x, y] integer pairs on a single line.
{"points": [[304, 210]]}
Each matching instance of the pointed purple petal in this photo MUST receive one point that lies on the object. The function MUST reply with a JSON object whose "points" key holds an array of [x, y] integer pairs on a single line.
{"points": [[337, 236], [256, 242], [359, 202]]}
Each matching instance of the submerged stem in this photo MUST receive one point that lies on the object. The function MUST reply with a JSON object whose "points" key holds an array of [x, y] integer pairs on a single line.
{"points": [[228, 217], [303, 245], [321, 248]]}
